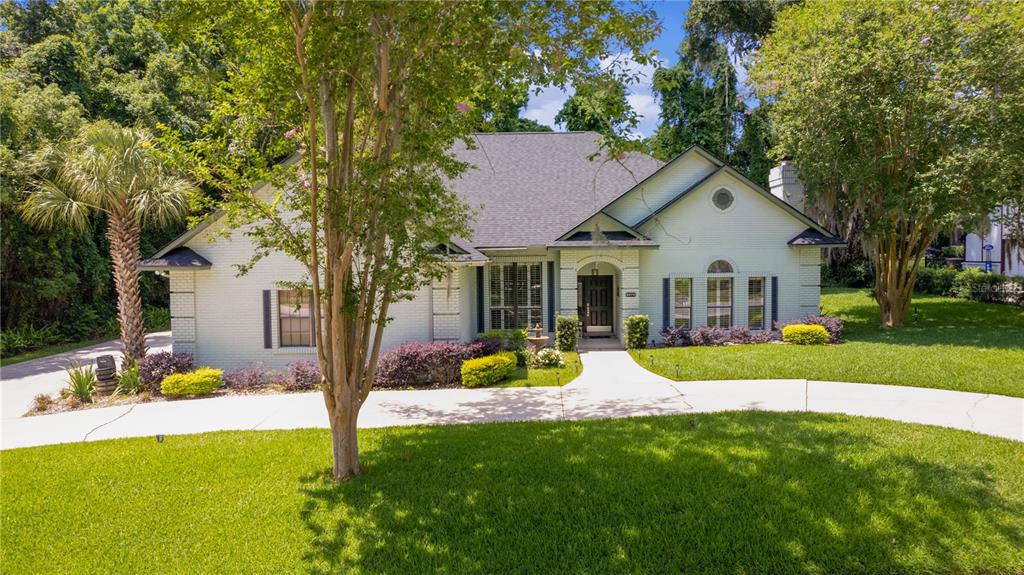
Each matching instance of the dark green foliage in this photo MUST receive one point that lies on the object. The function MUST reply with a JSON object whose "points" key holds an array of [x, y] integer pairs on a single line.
{"points": [[567, 330], [748, 492], [603, 110], [935, 281], [65, 63], [751, 152], [850, 273], [977, 285], [637, 327], [506, 115]]}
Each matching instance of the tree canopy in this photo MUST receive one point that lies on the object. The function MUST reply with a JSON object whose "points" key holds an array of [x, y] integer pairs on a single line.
{"points": [[905, 116]]}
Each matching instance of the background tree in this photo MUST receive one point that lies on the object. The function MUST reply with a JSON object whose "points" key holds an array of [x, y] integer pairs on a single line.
{"points": [[66, 63], [115, 171], [385, 90], [697, 107], [738, 24], [505, 114], [602, 109], [907, 116]]}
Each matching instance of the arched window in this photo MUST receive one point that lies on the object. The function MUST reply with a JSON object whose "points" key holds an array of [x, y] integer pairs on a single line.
{"points": [[720, 267]]}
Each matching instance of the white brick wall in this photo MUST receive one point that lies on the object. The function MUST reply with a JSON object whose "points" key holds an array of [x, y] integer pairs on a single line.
{"points": [[752, 234]]}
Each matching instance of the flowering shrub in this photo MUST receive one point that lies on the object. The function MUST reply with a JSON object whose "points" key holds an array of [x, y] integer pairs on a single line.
{"points": [[833, 325], [418, 363], [304, 375], [547, 358], [156, 366]]}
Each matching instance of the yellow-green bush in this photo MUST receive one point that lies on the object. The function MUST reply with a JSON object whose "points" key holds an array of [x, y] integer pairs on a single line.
{"points": [[804, 334], [488, 370], [199, 382]]}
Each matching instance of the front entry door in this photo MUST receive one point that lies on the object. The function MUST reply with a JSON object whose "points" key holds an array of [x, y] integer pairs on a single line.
{"points": [[598, 310]]}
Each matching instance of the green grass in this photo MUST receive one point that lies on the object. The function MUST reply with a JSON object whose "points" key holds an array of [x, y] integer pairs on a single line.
{"points": [[550, 377], [744, 492], [946, 343]]}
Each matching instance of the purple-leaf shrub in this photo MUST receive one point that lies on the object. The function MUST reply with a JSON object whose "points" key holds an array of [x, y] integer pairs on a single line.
{"points": [[420, 363], [833, 325], [252, 376], [156, 366], [674, 336], [305, 375], [707, 335]]}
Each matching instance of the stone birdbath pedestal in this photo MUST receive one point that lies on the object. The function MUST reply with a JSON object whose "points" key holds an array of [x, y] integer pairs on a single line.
{"points": [[537, 340]]}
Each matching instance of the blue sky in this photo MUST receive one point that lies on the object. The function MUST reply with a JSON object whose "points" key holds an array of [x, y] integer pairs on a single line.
{"points": [[544, 106]]}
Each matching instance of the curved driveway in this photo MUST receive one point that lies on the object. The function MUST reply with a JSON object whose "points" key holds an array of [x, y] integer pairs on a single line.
{"points": [[612, 385]]}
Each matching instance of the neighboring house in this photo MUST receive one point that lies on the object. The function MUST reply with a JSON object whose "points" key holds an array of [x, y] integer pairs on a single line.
{"points": [[690, 242], [995, 250]]}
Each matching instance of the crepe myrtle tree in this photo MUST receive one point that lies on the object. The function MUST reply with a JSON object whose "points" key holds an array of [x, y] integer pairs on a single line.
{"points": [[115, 171], [907, 117], [374, 95]]}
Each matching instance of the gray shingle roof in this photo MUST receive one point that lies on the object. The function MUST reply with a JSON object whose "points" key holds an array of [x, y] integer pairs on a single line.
{"points": [[177, 258], [813, 237], [530, 188]]}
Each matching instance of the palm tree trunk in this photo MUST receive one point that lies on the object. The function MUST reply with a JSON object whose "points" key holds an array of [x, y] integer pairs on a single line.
{"points": [[123, 232]]}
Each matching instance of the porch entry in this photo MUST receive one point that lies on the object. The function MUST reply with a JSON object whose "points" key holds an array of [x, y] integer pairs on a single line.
{"points": [[597, 305]]}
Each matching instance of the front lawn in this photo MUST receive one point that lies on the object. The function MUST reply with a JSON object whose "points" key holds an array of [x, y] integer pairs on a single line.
{"points": [[946, 343], [741, 493], [549, 377]]}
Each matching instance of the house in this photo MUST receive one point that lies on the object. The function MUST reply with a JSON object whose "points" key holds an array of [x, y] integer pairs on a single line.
{"points": [[690, 242], [994, 250]]}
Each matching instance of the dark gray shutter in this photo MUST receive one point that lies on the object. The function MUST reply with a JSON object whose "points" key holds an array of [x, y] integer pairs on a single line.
{"points": [[775, 302], [551, 296], [666, 297], [480, 299], [268, 340]]}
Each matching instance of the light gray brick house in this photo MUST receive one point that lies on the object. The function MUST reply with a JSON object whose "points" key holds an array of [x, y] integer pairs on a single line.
{"points": [[561, 230]]}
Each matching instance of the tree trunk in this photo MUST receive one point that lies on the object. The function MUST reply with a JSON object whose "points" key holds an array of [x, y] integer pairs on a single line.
{"points": [[893, 306], [344, 442], [123, 232]]}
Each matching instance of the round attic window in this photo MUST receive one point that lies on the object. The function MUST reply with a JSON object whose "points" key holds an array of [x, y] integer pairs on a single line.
{"points": [[722, 199]]}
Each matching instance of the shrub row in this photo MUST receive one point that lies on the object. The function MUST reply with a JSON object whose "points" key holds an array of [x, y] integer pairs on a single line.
{"points": [[971, 283], [711, 336], [488, 370], [418, 363], [85, 323], [301, 376]]}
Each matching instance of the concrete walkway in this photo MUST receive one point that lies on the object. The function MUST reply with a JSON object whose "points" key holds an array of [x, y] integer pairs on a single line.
{"points": [[612, 385]]}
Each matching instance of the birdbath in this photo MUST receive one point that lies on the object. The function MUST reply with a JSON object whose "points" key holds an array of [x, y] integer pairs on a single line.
{"points": [[537, 340]]}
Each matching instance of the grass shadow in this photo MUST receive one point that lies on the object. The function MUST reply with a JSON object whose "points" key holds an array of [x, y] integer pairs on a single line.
{"points": [[740, 493]]}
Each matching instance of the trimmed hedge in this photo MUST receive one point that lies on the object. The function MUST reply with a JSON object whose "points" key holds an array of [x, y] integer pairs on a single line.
{"points": [[803, 334], [567, 330], [199, 382], [935, 281], [488, 370], [637, 327]]}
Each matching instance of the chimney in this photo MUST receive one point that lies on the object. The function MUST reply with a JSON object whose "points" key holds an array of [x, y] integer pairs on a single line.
{"points": [[785, 184]]}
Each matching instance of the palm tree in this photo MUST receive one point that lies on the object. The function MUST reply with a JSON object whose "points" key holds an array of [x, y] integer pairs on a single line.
{"points": [[116, 171]]}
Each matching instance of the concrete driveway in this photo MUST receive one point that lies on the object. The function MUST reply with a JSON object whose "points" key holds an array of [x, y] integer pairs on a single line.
{"points": [[611, 385], [20, 382]]}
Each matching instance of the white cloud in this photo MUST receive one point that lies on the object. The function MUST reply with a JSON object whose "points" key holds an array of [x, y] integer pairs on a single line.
{"points": [[544, 107]]}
